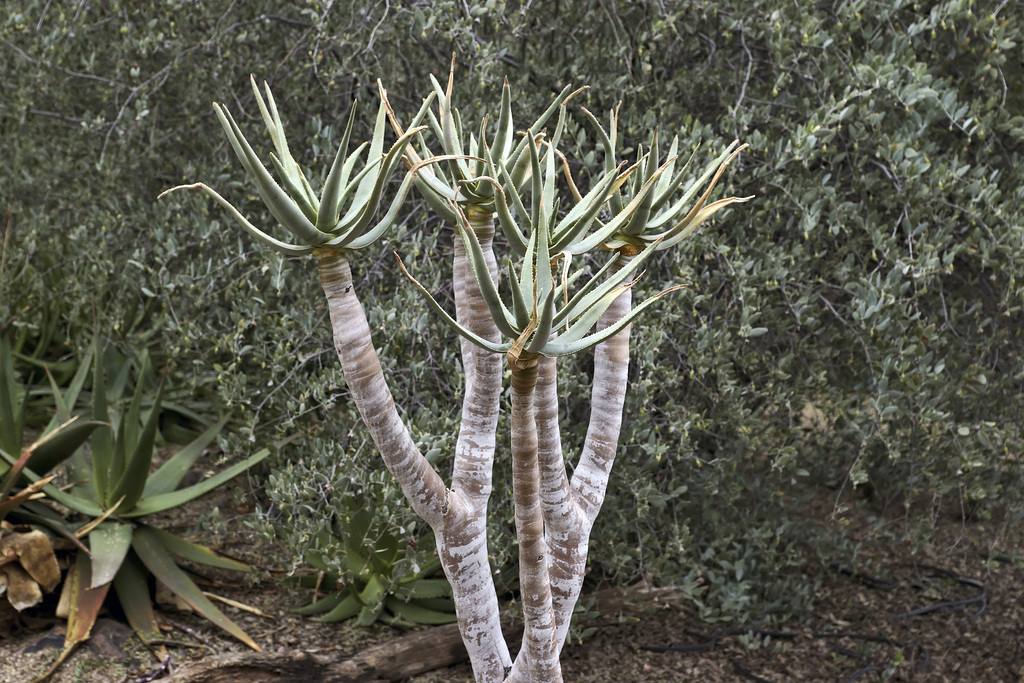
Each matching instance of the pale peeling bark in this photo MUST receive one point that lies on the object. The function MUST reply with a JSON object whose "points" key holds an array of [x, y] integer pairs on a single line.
{"points": [[570, 515], [537, 662], [462, 541], [611, 368], [566, 539], [421, 485], [554, 516], [458, 517]]}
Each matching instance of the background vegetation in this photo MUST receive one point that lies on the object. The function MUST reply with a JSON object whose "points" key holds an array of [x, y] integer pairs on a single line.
{"points": [[858, 325]]}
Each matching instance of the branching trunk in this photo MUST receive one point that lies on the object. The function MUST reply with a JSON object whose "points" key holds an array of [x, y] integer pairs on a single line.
{"points": [[554, 515], [538, 660], [566, 542], [571, 508], [421, 485], [608, 397], [462, 542]]}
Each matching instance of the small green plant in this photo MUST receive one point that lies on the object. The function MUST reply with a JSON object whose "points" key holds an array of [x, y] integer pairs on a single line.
{"points": [[380, 585]]}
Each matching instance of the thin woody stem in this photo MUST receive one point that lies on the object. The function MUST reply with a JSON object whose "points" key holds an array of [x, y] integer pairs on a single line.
{"points": [[462, 544], [566, 542], [421, 485], [540, 648]]}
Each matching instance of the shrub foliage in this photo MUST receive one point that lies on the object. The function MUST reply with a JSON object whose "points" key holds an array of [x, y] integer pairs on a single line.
{"points": [[859, 327]]}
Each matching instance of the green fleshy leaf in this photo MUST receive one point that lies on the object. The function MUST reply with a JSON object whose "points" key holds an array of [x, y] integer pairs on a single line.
{"points": [[132, 481], [159, 562], [715, 166], [264, 238], [562, 347], [58, 445], [447, 319], [337, 178], [277, 200], [169, 475], [166, 501], [194, 552], [132, 588], [108, 545]]}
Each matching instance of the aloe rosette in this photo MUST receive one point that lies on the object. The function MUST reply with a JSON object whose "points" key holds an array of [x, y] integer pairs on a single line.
{"points": [[116, 491], [317, 223]]}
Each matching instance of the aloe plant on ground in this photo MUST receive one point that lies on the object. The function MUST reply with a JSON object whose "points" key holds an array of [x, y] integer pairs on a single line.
{"points": [[114, 492], [374, 588], [478, 181]]}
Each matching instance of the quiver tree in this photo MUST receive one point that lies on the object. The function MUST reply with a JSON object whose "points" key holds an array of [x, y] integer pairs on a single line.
{"points": [[495, 180]]}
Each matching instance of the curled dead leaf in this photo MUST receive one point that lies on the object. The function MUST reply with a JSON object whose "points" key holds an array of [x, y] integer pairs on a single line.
{"points": [[35, 554], [28, 567], [22, 592]]}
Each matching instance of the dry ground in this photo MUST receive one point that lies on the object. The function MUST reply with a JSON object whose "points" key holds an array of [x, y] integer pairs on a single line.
{"points": [[962, 620]]}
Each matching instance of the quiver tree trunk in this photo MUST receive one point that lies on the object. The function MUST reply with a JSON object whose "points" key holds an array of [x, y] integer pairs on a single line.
{"points": [[456, 515], [538, 659], [462, 540], [421, 485]]}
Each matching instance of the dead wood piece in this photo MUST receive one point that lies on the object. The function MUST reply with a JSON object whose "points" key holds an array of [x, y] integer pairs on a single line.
{"points": [[398, 659], [255, 667], [394, 660], [412, 654], [639, 599]]}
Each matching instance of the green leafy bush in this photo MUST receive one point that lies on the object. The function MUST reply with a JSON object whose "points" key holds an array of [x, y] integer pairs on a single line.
{"points": [[860, 328]]}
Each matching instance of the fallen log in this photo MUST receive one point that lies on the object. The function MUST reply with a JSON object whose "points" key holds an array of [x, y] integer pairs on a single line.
{"points": [[400, 658], [394, 660]]}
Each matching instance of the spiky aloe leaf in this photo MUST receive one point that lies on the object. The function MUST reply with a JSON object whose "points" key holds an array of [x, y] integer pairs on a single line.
{"points": [[447, 319], [159, 562], [323, 605], [132, 588], [347, 607], [337, 179], [56, 446], [103, 441], [714, 168], [359, 237], [620, 219], [579, 219], [544, 324], [165, 501], [577, 307], [424, 588], [288, 170], [372, 597], [565, 345], [169, 475], [193, 552], [503, 318], [12, 411], [277, 200], [262, 237], [108, 545], [132, 480], [692, 222], [504, 133]]}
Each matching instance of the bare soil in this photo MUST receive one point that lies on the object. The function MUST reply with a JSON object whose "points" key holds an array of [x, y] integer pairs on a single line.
{"points": [[951, 612]]}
